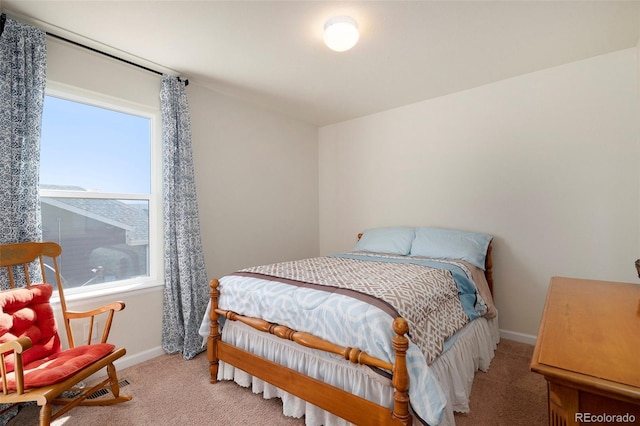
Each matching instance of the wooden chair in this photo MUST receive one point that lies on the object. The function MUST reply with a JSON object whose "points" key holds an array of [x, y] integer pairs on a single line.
{"points": [[32, 363]]}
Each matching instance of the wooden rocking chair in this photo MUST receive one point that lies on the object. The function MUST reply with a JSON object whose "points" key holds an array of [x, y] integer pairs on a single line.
{"points": [[32, 364]]}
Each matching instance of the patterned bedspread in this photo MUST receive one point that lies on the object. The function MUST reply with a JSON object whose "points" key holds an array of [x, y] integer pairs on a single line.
{"points": [[426, 297]]}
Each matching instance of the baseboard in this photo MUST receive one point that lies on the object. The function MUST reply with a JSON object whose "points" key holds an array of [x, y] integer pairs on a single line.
{"points": [[518, 337], [133, 359]]}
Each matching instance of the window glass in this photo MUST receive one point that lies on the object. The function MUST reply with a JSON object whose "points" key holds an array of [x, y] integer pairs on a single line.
{"points": [[95, 187], [94, 148]]}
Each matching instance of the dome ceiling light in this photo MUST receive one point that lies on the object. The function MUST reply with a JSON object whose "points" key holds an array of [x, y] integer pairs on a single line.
{"points": [[341, 33]]}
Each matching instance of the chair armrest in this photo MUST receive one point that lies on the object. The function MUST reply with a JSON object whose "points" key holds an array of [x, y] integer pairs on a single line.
{"points": [[16, 347], [108, 310], [113, 306]]}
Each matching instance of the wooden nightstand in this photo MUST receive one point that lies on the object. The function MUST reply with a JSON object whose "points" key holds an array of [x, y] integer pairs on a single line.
{"points": [[588, 349]]}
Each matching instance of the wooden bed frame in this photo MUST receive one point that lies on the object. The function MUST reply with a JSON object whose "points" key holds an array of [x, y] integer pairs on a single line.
{"points": [[343, 404]]}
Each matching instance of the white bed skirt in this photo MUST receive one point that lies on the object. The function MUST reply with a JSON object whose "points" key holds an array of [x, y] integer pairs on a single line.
{"points": [[473, 349]]}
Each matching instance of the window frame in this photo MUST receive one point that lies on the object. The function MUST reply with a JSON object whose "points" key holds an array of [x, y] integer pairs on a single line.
{"points": [[154, 198]]}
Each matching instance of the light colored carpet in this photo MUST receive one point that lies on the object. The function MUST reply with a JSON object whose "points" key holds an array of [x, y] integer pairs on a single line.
{"points": [[509, 394], [168, 390]]}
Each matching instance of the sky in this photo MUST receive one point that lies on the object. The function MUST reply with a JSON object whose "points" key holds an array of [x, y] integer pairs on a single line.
{"points": [[94, 148]]}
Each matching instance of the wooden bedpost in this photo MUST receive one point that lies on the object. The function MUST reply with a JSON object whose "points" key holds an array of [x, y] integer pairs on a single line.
{"points": [[214, 332], [400, 373], [488, 267]]}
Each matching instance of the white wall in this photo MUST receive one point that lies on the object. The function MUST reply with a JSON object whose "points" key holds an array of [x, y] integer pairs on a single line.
{"points": [[257, 182], [546, 162]]}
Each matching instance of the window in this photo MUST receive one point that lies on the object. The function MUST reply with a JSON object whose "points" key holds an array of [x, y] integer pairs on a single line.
{"points": [[98, 190]]}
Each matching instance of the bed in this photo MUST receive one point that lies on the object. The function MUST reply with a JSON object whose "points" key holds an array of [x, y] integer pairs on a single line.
{"points": [[390, 333]]}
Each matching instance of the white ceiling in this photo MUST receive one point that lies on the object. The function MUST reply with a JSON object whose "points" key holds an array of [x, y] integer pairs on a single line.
{"points": [[271, 52]]}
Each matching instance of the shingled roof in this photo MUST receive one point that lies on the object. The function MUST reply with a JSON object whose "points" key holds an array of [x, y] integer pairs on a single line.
{"points": [[131, 216]]}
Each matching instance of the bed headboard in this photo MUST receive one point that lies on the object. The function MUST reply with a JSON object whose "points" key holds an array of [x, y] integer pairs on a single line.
{"points": [[488, 264]]}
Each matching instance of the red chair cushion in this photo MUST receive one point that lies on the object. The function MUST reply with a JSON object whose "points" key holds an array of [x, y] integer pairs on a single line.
{"points": [[27, 312], [60, 366]]}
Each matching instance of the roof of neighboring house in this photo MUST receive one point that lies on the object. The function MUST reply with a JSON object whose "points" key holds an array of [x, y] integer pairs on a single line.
{"points": [[129, 215]]}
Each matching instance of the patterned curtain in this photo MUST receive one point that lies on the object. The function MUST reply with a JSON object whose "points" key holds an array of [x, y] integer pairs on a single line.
{"points": [[186, 287], [23, 63]]}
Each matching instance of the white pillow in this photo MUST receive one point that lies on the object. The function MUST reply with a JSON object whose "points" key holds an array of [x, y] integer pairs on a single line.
{"points": [[451, 244], [390, 240]]}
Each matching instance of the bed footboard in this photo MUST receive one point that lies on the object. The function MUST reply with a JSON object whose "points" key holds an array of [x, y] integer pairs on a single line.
{"points": [[343, 404]]}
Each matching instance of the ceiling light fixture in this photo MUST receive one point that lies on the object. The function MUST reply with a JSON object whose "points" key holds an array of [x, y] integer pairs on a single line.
{"points": [[341, 33]]}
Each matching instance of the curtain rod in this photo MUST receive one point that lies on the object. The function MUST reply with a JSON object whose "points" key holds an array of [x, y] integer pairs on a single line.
{"points": [[3, 19], [109, 55]]}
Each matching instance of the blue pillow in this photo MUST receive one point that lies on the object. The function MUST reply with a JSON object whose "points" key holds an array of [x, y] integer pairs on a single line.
{"points": [[451, 244], [391, 240]]}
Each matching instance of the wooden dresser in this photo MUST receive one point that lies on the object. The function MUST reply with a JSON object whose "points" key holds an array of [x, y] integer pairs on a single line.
{"points": [[588, 350]]}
